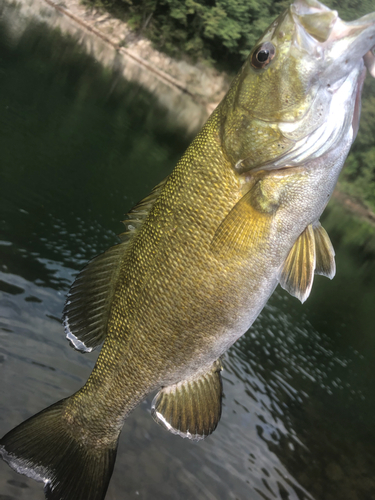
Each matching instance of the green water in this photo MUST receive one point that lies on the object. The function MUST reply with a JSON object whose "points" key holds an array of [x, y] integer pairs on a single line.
{"points": [[79, 147]]}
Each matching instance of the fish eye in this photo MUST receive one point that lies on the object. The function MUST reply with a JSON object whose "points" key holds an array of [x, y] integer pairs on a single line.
{"points": [[263, 55]]}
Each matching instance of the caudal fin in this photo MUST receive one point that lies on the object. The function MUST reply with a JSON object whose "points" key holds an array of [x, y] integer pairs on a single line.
{"points": [[43, 448]]}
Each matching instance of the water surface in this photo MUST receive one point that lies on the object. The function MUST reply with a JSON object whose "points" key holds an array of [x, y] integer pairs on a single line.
{"points": [[79, 147]]}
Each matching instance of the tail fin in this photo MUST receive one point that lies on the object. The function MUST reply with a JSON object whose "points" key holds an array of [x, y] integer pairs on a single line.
{"points": [[43, 448]]}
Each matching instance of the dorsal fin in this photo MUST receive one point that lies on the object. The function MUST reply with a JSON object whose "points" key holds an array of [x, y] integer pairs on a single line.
{"points": [[325, 254], [138, 214], [191, 408], [89, 300], [297, 273]]}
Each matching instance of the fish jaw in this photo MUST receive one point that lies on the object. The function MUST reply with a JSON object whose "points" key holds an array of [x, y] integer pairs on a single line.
{"points": [[340, 44], [345, 49], [342, 50], [369, 60], [316, 56]]}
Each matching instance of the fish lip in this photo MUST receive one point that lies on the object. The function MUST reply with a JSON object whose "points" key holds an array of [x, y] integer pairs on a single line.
{"points": [[353, 33], [369, 60], [337, 37], [310, 6], [314, 24], [335, 63], [357, 106], [342, 29]]}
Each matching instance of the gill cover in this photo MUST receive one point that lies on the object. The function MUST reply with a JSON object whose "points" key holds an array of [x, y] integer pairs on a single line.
{"points": [[297, 94]]}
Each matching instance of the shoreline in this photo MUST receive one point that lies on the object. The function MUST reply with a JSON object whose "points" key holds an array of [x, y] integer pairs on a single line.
{"points": [[189, 92], [354, 206]]}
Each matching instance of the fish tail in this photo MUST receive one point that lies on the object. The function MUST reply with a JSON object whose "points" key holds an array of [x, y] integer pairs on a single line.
{"points": [[44, 449]]}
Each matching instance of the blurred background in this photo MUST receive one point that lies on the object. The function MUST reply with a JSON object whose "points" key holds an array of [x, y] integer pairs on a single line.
{"points": [[79, 146]]}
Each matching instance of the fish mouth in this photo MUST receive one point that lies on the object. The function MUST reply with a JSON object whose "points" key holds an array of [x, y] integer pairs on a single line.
{"points": [[357, 105], [341, 52], [328, 58], [369, 59], [340, 45], [314, 19]]}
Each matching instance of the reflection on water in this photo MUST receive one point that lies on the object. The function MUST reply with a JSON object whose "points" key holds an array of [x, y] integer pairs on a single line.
{"points": [[79, 147]]}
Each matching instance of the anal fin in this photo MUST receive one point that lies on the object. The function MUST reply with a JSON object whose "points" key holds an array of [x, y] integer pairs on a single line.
{"points": [[191, 408]]}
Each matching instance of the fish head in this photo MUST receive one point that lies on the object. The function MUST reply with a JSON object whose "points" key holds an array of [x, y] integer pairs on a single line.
{"points": [[298, 94]]}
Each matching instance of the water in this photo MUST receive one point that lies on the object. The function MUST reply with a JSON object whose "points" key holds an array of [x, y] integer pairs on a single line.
{"points": [[79, 147]]}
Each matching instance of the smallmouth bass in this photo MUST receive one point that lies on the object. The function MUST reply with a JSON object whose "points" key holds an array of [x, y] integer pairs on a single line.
{"points": [[202, 254]]}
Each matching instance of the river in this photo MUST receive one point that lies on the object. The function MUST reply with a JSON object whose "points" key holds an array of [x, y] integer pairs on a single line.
{"points": [[79, 147]]}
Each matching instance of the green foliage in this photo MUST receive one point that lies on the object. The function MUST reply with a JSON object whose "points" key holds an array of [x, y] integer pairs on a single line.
{"points": [[223, 33], [350, 9], [358, 177], [220, 31]]}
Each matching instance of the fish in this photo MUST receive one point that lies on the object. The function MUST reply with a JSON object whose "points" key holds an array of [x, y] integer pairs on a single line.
{"points": [[201, 255]]}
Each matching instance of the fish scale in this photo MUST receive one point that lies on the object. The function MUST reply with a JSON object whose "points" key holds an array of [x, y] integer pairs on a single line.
{"points": [[202, 254]]}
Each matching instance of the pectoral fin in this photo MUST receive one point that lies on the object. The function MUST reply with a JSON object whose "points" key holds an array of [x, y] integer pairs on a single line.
{"points": [[297, 273], [243, 229], [325, 254], [191, 408]]}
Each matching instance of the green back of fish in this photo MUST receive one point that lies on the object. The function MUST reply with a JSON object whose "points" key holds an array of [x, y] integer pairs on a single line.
{"points": [[167, 283]]}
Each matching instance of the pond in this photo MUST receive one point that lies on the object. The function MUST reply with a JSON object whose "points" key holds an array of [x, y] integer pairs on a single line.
{"points": [[79, 147]]}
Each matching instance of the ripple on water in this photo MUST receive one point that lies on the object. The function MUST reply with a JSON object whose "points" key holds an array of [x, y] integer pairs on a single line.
{"points": [[297, 418]]}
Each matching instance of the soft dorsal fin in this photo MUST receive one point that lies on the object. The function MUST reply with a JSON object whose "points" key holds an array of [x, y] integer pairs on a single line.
{"points": [[89, 300], [191, 408], [88, 303], [325, 254], [243, 229], [297, 273]]}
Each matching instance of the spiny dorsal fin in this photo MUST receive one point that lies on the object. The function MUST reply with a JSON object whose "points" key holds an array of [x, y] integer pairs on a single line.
{"points": [[138, 214], [191, 408], [325, 254], [243, 229], [89, 300], [297, 273]]}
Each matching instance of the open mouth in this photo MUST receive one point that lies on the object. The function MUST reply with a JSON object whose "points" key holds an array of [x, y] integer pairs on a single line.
{"points": [[369, 59], [357, 106]]}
